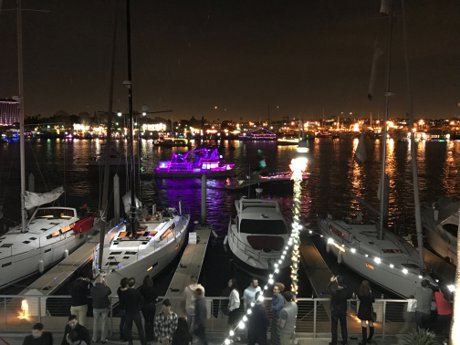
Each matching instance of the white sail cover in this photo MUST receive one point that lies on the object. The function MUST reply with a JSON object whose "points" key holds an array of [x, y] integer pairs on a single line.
{"points": [[37, 199], [127, 202], [361, 152]]}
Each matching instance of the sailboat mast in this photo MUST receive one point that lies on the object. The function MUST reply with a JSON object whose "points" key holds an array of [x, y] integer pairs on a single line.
{"points": [[129, 85], [388, 94], [22, 157], [413, 147]]}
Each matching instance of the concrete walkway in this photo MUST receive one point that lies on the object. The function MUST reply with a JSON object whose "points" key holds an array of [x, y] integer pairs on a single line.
{"points": [[17, 338]]}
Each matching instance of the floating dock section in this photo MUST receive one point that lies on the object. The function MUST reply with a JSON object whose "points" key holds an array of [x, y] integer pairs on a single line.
{"points": [[190, 264]]}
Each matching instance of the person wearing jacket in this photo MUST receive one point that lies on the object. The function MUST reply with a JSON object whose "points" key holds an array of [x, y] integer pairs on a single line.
{"points": [[79, 291], [340, 294], [81, 333], [366, 311], [199, 325], [258, 322], [133, 303], [100, 293], [277, 305]]}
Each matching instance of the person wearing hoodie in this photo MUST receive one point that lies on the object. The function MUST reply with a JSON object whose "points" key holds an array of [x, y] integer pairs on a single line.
{"points": [[340, 294]]}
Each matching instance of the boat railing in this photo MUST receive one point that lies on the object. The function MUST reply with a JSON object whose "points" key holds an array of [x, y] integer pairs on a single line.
{"points": [[313, 319]]}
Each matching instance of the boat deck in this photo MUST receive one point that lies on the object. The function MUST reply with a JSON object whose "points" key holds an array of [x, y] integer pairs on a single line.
{"points": [[53, 279], [190, 264]]}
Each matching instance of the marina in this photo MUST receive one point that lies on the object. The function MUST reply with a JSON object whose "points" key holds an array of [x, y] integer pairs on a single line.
{"points": [[269, 175]]}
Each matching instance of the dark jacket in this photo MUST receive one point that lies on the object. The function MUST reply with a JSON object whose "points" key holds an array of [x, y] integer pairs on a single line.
{"points": [[79, 291], [121, 297], [133, 301], [258, 320], [100, 294], [200, 312], [339, 296], [45, 339], [82, 331], [366, 311], [149, 294]]}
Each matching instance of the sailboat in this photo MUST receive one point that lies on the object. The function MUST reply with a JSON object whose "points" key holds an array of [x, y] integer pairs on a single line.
{"points": [[52, 232], [145, 243], [376, 254]]}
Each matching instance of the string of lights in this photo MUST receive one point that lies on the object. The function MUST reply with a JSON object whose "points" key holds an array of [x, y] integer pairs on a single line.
{"points": [[298, 166]]}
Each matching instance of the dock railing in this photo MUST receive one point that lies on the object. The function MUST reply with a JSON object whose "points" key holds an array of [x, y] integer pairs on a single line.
{"points": [[312, 319]]}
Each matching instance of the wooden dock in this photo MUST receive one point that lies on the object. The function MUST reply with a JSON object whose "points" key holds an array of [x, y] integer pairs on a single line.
{"points": [[190, 264], [53, 279], [318, 273]]}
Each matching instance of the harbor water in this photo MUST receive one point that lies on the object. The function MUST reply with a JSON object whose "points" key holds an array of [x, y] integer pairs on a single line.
{"points": [[337, 184]]}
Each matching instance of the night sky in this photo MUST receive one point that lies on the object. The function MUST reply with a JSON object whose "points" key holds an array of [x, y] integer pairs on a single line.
{"points": [[298, 58]]}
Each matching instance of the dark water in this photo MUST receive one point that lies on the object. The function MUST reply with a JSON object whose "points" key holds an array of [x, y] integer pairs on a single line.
{"points": [[335, 183]]}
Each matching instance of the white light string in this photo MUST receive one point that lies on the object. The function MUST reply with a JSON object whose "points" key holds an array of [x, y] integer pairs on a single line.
{"points": [[298, 166]]}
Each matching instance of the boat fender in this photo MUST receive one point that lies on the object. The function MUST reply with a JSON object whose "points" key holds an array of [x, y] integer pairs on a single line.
{"points": [[41, 266], [225, 240], [66, 253], [339, 257]]}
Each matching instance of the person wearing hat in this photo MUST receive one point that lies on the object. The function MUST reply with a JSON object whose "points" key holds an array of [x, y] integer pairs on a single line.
{"points": [[340, 294]]}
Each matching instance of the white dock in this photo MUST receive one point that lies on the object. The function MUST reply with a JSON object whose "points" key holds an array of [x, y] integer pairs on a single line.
{"points": [[190, 264]]}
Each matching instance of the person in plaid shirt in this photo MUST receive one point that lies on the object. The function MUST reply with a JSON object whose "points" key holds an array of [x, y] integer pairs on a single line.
{"points": [[165, 323]]}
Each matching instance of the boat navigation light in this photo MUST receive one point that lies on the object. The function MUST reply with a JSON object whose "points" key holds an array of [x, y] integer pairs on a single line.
{"points": [[392, 266], [405, 271], [353, 250], [377, 260]]}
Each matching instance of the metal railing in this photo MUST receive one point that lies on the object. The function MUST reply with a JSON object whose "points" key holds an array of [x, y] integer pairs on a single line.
{"points": [[312, 320]]}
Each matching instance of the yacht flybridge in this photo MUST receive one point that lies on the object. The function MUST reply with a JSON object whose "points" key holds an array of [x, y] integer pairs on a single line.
{"points": [[157, 241], [258, 233], [52, 233]]}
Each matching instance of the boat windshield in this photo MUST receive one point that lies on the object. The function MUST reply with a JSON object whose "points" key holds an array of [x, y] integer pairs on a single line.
{"points": [[255, 226], [54, 213], [451, 229]]}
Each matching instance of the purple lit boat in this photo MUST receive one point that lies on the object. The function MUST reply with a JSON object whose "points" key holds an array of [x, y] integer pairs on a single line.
{"points": [[195, 163]]}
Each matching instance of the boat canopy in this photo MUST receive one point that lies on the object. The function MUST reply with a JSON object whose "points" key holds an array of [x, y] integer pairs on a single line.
{"points": [[37, 199]]}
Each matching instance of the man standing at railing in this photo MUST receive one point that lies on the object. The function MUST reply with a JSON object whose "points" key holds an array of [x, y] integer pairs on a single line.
{"points": [[340, 294], [100, 293], [133, 302], [79, 290], [287, 319], [189, 299]]}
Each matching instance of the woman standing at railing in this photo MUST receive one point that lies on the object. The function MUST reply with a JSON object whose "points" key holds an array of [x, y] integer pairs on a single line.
{"points": [[366, 312]]}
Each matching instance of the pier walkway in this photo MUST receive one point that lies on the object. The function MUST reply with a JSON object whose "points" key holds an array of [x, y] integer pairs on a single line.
{"points": [[190, 264]]}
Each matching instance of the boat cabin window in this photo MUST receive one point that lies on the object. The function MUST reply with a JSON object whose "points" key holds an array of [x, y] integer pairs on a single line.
{"points": [[451, 229], [256, 226]]}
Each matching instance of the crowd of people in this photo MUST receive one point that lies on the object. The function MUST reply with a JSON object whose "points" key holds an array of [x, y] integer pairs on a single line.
{"points": [[429, 308]]}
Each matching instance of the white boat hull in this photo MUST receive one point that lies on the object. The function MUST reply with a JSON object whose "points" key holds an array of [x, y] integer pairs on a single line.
{"points": [[20, 266], [148, 262], [392, 278]]}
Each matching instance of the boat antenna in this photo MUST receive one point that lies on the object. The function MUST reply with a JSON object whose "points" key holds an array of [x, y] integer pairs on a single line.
{"points": [[129, 85], [413, 148], [387, 94]]}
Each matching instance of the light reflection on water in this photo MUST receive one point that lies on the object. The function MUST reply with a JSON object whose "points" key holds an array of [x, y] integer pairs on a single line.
{"points": [[336, 180]]}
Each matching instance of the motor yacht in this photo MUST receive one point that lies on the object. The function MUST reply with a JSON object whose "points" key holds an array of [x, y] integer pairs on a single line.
{"points": [[258, 233]]}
